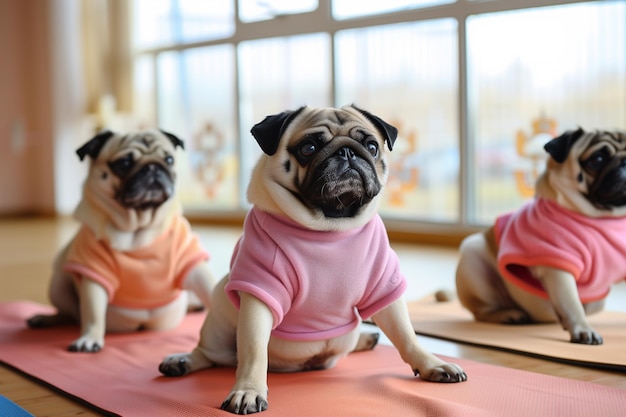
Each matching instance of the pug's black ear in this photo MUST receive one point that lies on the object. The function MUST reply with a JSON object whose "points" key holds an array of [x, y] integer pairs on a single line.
{"points": [[559, 147], [268, 132], [176, 141], [94, 145], [389, 132]]}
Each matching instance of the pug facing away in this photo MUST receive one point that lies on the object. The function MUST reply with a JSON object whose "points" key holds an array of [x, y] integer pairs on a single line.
{"points": [[556, 258], [314, 258], [134, 256]]}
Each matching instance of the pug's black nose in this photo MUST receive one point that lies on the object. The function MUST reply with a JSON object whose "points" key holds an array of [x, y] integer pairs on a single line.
{"points": [[346, 154], [148, 169]]}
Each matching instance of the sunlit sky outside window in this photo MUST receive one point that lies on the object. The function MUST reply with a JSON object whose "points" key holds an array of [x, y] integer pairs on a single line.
{"points": [[563, 66], [168, 22], [556, 43]]}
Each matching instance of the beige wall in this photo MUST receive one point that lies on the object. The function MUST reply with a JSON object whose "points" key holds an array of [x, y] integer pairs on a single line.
{"points": [[42, 106], [26, 141]]}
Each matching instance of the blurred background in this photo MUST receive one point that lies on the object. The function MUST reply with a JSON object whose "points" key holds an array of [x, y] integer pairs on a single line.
{"points": [[476, 88]]}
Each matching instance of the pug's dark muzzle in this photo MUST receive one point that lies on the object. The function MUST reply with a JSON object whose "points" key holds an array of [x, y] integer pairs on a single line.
{"points": [[342, 179], [149, 187], [609, 188]]}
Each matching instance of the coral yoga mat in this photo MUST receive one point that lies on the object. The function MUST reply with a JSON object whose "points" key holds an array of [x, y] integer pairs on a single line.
{"points": [[123, 380], [450, 321]]}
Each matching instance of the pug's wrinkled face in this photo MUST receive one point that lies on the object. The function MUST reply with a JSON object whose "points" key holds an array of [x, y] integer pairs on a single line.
{"points": [[324, 164], [136, 170], [589, 168]]}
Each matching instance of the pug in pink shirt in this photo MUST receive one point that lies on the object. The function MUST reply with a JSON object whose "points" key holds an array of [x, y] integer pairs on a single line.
{"points": [[556, 258], [314, 260]]}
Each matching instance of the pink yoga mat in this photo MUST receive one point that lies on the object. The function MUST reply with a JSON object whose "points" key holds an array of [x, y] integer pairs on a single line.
{"points": [[123, 380]]}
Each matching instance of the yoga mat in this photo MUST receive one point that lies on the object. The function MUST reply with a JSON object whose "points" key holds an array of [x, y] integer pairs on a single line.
{"points": [[450, 321], [123, 380]]}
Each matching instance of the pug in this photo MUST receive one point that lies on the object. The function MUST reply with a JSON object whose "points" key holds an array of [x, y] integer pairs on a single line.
{"points": [[556, 258], [134, 257], [313, 261]]}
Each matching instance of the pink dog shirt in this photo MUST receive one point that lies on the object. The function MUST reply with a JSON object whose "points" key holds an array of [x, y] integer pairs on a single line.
{"points": [[316, 284], [543, 233], [148, 277]]}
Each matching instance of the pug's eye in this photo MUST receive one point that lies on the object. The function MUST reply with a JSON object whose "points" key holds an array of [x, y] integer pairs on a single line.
{"points": [[122, 166], [169, 160], [597, 160], [372, 148], [307, 149]]}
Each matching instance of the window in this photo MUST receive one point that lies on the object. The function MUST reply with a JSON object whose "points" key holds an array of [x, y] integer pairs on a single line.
{"points": [[195, 101], [408, 73], [167, 22], [476, 89], [349, 9], [255, 10], [548, 70]]}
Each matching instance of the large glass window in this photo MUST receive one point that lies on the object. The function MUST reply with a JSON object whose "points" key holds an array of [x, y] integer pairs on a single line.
{"points": [[548, 70], [349, 9], [278, 74], [165, 22], [196, 101], [255, 10], [476, 88]]}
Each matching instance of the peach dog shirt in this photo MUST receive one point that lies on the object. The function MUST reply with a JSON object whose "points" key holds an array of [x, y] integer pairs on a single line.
{"points": [[144, 278]]}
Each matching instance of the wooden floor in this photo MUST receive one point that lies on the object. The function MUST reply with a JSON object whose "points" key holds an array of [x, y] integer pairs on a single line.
{"points": [[28, 246]]}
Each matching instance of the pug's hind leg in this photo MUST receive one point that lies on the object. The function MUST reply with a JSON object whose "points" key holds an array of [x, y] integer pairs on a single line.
{"points": [[41, 321], [184, 363], [367, 341], [218, 340], [480, 287], [64, 297], [217, 346]]}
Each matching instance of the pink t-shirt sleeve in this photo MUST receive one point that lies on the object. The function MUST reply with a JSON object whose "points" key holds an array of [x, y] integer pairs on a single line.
{"points": [[261, 270], [387, 290]]}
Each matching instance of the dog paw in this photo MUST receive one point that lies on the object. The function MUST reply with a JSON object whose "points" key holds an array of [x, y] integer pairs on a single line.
{"points": [[508, 316], [38, 321], [185, 363], [586, 337], [174, 365], [446, 372], [516, 317], [41, 321], [245, 401], [86, 344]]}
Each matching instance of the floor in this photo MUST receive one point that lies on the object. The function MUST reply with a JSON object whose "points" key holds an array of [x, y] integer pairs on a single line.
{"points": [[28, 246]]}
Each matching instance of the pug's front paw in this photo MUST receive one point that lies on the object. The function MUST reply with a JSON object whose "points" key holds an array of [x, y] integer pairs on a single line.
{"points": [[175, 365], [86, 344], [585, 336], [245, 401], [445, 372]]}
